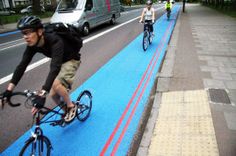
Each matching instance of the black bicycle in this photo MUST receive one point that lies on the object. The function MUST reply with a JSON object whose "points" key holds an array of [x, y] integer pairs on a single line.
{"points": [[168, 14], [38, 144], [147, 35]]}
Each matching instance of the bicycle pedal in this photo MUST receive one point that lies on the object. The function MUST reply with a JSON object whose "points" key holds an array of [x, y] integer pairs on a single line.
{"points": [[58, 122], [53, 124], [63, 124]]}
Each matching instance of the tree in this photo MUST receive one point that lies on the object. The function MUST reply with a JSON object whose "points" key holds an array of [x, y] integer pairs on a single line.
{"points": [[228, 5], [184, 5], [10, 4], [36, 7], [54, 3]]}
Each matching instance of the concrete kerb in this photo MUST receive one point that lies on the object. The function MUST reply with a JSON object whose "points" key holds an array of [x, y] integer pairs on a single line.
{"points": [[142, 127]]}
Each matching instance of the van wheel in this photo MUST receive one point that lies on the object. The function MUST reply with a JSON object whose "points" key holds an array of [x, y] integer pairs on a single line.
{"points": [[113, 20], [85, 29]]}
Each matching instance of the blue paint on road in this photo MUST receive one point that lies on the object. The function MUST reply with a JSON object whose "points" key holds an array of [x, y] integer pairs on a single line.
{"points": [[131, 73], [9, 33]]}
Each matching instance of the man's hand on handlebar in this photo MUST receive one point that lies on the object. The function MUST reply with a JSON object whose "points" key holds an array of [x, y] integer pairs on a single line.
{"points": [[38, 101], [5, 97], [34, 110]]}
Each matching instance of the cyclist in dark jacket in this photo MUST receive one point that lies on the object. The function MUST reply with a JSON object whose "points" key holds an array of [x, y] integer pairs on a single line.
{"points": [[64, 63]]}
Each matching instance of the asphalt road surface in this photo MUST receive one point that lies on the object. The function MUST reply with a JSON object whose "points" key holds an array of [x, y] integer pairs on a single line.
{"points": [[99, 47]]}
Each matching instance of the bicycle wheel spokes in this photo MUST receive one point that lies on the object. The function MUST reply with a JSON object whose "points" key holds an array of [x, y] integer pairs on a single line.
{"points": [[39, 147], [31, 149], [145, 41], [150, 38], [84, 102]]}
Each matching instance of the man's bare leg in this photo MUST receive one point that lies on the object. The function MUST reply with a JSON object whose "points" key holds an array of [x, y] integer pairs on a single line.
{"points": [[59, 90]]}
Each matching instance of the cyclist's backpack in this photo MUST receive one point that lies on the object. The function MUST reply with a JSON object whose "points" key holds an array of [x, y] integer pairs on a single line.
{"points": [[66, 31]]}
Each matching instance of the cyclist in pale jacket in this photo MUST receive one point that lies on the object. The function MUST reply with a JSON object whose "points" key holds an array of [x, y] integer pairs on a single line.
{"points": [[148, 15]]}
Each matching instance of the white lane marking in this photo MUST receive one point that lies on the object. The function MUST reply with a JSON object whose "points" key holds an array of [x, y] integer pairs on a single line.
{"points": [[40, 62], [30, 67], [12, 42], [12, 46], [109, 30], [2, 44]]}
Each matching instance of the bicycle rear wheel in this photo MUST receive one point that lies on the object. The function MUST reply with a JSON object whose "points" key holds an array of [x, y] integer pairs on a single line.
{"points": [[150, 38], [168, 15], [84, 102], [39, 147], [145, 40]]}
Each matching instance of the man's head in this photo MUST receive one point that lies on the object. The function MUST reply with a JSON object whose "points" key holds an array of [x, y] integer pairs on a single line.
{"points": [[149, 3], [32, 29]]}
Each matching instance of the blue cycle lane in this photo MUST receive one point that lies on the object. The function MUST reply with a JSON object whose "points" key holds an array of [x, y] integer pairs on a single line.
{"points": [[120, 92]]}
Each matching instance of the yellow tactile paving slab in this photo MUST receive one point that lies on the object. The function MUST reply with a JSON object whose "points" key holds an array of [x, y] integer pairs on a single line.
{"points": [[184, 126]]}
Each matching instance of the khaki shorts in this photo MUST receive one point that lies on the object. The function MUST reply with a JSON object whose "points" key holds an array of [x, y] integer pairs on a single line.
{"points": [[67, 72]]}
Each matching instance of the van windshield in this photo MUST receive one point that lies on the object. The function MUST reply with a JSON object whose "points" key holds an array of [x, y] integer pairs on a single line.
{"points": [[68, 5]]}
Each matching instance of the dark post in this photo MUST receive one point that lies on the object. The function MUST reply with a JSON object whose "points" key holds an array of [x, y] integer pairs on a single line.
{"points": [[184, 5], [36, 7], [1, 24]]}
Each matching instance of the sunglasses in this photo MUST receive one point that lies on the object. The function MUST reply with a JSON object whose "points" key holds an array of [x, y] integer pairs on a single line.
{"points": [[27, 32]]}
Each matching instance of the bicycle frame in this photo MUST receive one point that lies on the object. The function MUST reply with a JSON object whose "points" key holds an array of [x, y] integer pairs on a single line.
{"points": [[48, 110], [168, 13], [146, 30], [146, 27], [37, 135], [147, 36], [38, 143]]}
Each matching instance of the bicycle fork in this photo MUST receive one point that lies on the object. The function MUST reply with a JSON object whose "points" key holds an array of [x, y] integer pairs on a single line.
{"points": [[35, 136], [38, 142]]}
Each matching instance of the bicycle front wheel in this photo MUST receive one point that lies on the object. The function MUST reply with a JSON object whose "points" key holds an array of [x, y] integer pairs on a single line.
{"points": [[37, 147], [145, 41], [84, 102]]}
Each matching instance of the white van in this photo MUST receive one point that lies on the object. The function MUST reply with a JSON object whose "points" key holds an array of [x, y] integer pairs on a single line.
{"points": [[86, 14]]}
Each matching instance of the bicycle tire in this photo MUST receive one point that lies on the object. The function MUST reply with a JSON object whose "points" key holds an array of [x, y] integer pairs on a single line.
{"points": [[150, 38], [145, 40], [84, 102], [31, 141], [168, 15]]}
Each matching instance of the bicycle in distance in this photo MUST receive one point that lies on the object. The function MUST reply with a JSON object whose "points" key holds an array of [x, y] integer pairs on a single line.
{"points": [[147, 35], [38, 144], [168, 7]]}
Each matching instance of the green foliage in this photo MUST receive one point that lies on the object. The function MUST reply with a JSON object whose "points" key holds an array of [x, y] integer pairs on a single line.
{"points": [[5, 19], [226, 7], [229, 12], [192, 1]]}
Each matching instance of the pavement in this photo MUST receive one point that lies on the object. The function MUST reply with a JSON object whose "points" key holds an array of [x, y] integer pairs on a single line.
{"points": [[194, 110]]}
